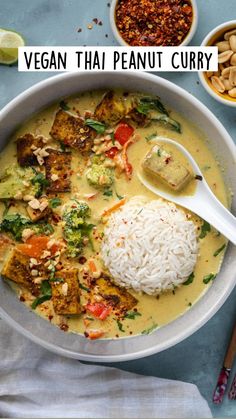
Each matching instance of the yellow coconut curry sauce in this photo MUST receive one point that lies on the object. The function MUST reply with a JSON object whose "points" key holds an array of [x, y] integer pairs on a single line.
{"points": [[51, 233]]}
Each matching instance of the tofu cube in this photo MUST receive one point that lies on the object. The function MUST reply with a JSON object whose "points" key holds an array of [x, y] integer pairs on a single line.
{"points": [[58, 168], [17, 268], [25, 146], [66, 295], [118, 297], [72, 131], [164, 166], [110, 110]]}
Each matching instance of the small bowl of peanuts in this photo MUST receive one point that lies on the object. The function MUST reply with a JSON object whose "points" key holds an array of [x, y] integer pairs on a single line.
{"points": [[221, 84]]}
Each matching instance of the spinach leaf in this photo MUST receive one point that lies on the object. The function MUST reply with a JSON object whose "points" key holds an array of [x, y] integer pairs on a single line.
{"points": [[172, 123], [205, 228], [218, 251], [46, 294], [208, 278], [148, 103], [96, 125], [189, 280]]}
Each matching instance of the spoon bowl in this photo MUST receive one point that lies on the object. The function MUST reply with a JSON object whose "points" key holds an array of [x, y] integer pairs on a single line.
{"points": [[203, 202]]}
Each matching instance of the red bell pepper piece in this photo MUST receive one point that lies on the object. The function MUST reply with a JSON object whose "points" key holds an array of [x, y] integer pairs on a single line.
{"points": [[99, 310], [123, 133]]}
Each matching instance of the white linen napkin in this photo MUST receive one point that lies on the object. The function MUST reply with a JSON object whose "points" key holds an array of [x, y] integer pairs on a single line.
{"points": [[35, 383]]}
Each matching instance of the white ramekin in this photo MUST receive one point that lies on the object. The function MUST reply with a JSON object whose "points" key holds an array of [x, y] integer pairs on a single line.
{"points": [[215, 35], [122, 42]]}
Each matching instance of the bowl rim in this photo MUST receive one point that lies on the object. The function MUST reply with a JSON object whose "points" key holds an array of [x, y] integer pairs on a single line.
{"points": [[122, 42], [224, 101], [228, 287]]}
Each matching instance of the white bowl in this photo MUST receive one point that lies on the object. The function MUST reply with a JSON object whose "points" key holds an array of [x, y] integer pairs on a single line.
{"points": [[214, 36], [122, 42], [75, 346]]}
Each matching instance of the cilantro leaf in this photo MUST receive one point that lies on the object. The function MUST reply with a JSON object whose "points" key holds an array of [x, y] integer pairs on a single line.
{"points": [[189, 280], [205, 228]]}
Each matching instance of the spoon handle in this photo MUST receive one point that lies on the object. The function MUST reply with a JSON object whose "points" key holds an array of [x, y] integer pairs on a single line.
{"points": [[211, 210]]}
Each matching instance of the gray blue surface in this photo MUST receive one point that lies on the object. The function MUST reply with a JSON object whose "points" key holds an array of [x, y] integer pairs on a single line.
{"points": [[55, 22]]}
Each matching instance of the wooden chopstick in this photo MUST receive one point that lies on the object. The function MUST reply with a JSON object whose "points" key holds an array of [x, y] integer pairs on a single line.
{"points": [[225, 371]]}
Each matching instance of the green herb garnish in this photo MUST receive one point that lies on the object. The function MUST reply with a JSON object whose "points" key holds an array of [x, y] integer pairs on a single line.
{"points": [[40, 180], [159, 152], [119, 196], [208, 278], [82, 286], [46, 294], [151, 137], [218, 251], [132, 315], [120, 326], [96, 125], [64, 105], [149, 330], [189, 280], [205, 228], [15, 224], [108, 192], [55, 202]]}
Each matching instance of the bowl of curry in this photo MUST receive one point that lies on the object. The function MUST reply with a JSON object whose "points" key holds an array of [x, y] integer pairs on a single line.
{"points": [[69, 163]]}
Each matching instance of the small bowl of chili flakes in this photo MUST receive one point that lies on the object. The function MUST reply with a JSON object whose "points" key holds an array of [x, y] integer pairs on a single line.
{"points": [[153, 23]]}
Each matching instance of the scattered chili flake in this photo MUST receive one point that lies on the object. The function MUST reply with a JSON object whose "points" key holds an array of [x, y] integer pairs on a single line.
{"points": [[64, 327], [79, 30], [100, 23], [22, 298], [198, 177], [82, 260], [154, 23], [95, 20]]}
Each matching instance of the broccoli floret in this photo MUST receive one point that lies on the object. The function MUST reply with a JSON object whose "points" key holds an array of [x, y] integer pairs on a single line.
{"points": [[100, 176], [74, 239], [76, 227]]}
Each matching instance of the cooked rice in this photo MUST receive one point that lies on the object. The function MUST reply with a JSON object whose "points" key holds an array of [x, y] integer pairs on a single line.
{"points": [[149, 246]]}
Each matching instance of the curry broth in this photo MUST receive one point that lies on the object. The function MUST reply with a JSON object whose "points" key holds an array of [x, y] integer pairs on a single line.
{"points": [[154, 311]]}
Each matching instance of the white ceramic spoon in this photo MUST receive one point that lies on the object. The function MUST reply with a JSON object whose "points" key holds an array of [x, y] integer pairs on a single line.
{"points": [[203, 202]]}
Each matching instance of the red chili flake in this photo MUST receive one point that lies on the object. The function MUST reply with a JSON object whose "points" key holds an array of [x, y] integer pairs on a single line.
{"points": [[50, 318], [198, 177], [79, 30], [154, 23], [95, 20], [22, 298], [100, 23], [82, 260], [64, 327], [167, 160]]}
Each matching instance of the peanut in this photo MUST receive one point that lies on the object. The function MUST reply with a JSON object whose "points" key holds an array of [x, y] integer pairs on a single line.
{"points": [[227, 35], [232, 92], [218, 85], [223, 46], [225, 56], [233, 59], [224, 80], [232, 76], [232, 42]]}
